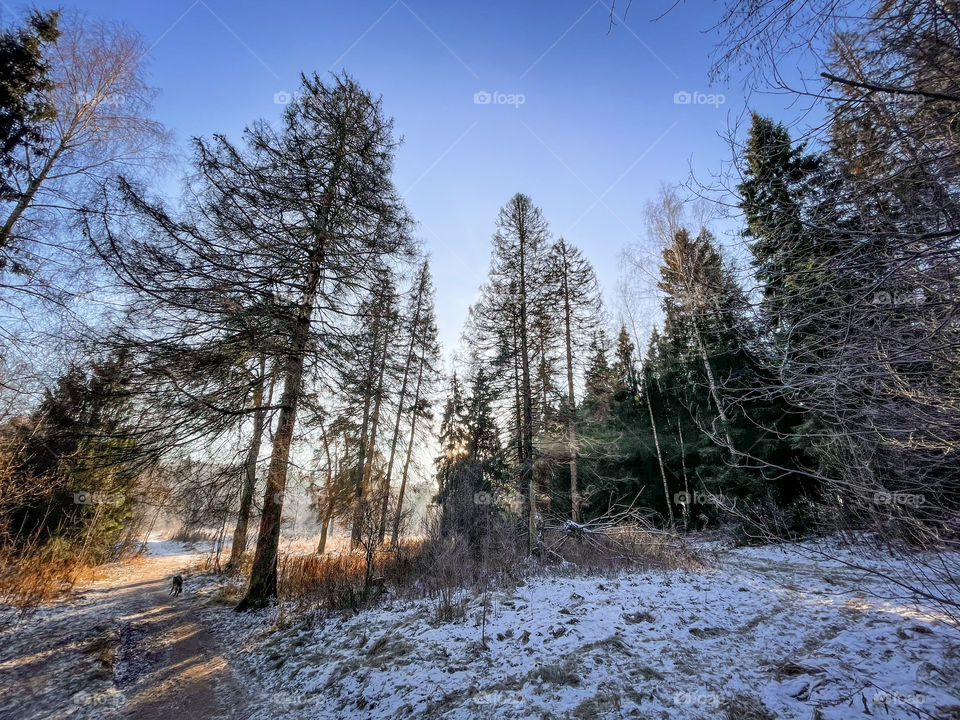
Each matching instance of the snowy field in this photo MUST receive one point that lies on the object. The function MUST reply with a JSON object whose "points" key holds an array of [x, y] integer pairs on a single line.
{"points": [[766, 633], [763, 633]]}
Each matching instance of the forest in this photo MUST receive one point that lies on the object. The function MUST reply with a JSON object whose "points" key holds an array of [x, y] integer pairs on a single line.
{"points": [[249, 360]]}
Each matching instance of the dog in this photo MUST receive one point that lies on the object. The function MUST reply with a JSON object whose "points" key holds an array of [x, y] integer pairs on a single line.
{"points": [[176, 586]]}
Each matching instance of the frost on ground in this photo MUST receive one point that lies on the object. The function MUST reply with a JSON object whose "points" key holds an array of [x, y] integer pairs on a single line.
{"points": [[106, 649], [767, 633]]}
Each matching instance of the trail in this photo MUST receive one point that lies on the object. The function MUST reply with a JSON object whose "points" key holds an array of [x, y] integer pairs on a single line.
{"points": [[120, 648]]}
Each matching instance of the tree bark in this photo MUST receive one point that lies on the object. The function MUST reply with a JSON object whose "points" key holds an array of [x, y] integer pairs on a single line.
{"points": [[406, 464], [24, 202], [355, 533], [571, 400], [324, 527], [382, 530], [263, 577], [328, 508], [686, 484], [366, 468], [713, 391], [527, 401], [656, 443], [239, 545]]}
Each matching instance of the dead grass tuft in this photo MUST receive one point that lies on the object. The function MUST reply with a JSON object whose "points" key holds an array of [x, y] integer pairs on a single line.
{"points": [[745, 707], [606, 547], [343, 581], [40, 576], [561, 673]]}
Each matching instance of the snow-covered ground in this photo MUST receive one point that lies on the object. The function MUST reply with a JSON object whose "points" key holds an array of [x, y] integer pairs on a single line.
{"points": [[766, 633], [762, 633]]}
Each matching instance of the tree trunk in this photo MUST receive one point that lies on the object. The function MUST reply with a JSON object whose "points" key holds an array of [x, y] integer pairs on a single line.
{"points": [[406, 463], [571, 402], [517, 399], [527, 403], [239, 545], [656, 443], [24, 202], [263, 577], [686, 485], [713, 391], [355, 534], [324, 526], [375, 421], [382, 530], [328, 509]]}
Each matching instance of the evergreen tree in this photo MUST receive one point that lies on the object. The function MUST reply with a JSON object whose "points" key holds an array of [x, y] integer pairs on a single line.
{"points": [[624, 368], [598, 378], [24, 82], [454, 439], [510, 336], [579, 317], [69, 483], [779, 182], [286, 238], [420, 365]]}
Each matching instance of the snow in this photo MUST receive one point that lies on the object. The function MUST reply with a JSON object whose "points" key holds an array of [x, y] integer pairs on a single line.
{"points": [[765, 625], [786, 630], [70, 659]]}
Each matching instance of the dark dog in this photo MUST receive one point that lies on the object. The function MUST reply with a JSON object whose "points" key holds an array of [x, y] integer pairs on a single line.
{"points": [[177, 586]]}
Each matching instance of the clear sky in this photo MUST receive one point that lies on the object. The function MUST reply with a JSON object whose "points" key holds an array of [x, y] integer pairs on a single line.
{"points": [[596, 131]]}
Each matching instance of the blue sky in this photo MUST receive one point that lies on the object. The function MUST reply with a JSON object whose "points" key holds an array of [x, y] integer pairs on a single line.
{"points": [[596, 134]]}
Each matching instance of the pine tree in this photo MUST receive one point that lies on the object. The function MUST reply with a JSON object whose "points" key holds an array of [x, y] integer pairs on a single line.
{"points": [[703, 303], [580, 317], [780, 179], [598, 378], [624, 368], [69, 483], [454, 437], [419, 364], [367, 383], [24, 80], [284, 240], [505, 326]]}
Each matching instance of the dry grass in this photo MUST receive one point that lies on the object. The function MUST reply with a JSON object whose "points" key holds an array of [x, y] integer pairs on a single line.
{"points": [[606, 548], [341, 581], [39, 577], [195, 535], [745, 707], [447, 569]]}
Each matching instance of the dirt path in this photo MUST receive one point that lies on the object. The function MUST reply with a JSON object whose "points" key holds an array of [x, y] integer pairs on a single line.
{"points": [[120, 648]]}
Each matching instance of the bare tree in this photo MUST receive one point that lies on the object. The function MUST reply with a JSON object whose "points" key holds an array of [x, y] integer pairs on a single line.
{"points": [[99, 127]]}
